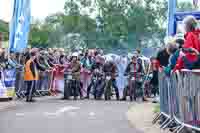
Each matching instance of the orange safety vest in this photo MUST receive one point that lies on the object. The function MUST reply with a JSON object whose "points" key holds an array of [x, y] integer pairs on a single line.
{"points": [[28, 75]]}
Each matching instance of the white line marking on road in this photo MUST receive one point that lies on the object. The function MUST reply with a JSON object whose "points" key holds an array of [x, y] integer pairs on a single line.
{"points": [[61, 111], [67, 108], [49, 114], [91, 114], [72, 114], [20, 114]]}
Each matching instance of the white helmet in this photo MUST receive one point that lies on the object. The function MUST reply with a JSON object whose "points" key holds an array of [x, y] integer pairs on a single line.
{"points": [[109, 59], [180, 36], [75, 54]]}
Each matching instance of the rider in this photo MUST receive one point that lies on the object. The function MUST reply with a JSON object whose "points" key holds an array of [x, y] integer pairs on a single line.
{"points": [[76, 68], [97, 65], [133, 67], [87, 62], [110, 67]]}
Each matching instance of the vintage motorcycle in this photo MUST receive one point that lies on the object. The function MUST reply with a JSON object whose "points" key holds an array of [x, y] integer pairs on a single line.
{"points": [[134, 89]]}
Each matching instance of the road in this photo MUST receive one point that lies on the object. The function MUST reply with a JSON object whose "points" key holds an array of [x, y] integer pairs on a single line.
{"points": [[56, 116]]}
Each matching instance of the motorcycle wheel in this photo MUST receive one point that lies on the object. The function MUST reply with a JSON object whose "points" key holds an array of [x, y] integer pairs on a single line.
{"points": [[108, 91], [66, 90], [132, 91]]}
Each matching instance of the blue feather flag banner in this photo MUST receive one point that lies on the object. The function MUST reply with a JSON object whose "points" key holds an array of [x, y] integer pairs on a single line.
{"points": [[20, 25], [171, 18]]}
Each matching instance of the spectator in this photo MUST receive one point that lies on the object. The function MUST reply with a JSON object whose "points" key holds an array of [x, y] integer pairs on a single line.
{"points": [[154, 80], [174, 51], [87, 63], [164, 54], [31, 76], [188, 56], [2, 59]]}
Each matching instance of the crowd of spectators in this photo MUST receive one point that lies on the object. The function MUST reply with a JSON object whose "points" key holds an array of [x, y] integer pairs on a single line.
{"points": [[182, 50]]}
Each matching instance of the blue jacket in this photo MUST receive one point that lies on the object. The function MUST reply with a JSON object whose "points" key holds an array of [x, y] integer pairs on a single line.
{"points": [[172, 62]]}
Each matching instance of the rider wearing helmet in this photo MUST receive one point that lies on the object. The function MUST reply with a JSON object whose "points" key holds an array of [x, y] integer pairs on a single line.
{"points": [[110, 67], [96, 71], [76, 68], [87, 62], [135, 68]]}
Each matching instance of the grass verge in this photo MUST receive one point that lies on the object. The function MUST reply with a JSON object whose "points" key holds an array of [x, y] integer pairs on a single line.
{"points": [[156, 108]]}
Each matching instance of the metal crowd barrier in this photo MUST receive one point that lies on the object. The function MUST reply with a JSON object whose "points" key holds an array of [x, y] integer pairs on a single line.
{"points": [[42, 85], [20, 86], [180, 100]]}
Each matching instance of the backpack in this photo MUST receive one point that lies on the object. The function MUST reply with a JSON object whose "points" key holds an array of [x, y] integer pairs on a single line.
{"points": [[189, 61]]}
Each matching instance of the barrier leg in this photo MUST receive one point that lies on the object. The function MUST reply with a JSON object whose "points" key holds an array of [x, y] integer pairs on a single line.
{"points": [[165, 126], [23, 94], [157, 117], [178, 129], [182, 127], [38, 92], [164, 123], [18, 95], [35, 94]]}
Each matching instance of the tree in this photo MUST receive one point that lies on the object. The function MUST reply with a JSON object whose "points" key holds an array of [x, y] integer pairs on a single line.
{"points": [[125, 17], [39, 35], [4, 29], [73, 42], [71, 8], [124, 24], [55, 19], [186, 6]]}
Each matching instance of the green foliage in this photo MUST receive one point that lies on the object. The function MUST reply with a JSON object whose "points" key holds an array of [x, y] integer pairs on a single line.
{"points": [[124, 24], [4, 29], [125, 17], [3, 26], [78, 24], [71, 8], [186, 6], [157, 108], [39, 35]]}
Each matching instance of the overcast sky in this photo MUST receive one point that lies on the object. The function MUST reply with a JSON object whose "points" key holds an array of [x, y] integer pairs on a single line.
{"points": [[40, 8]]}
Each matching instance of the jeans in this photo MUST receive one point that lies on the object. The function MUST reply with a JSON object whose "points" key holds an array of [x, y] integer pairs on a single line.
{"points": [[114, 85], [76, 88], [93, 84], [134, 89]]}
